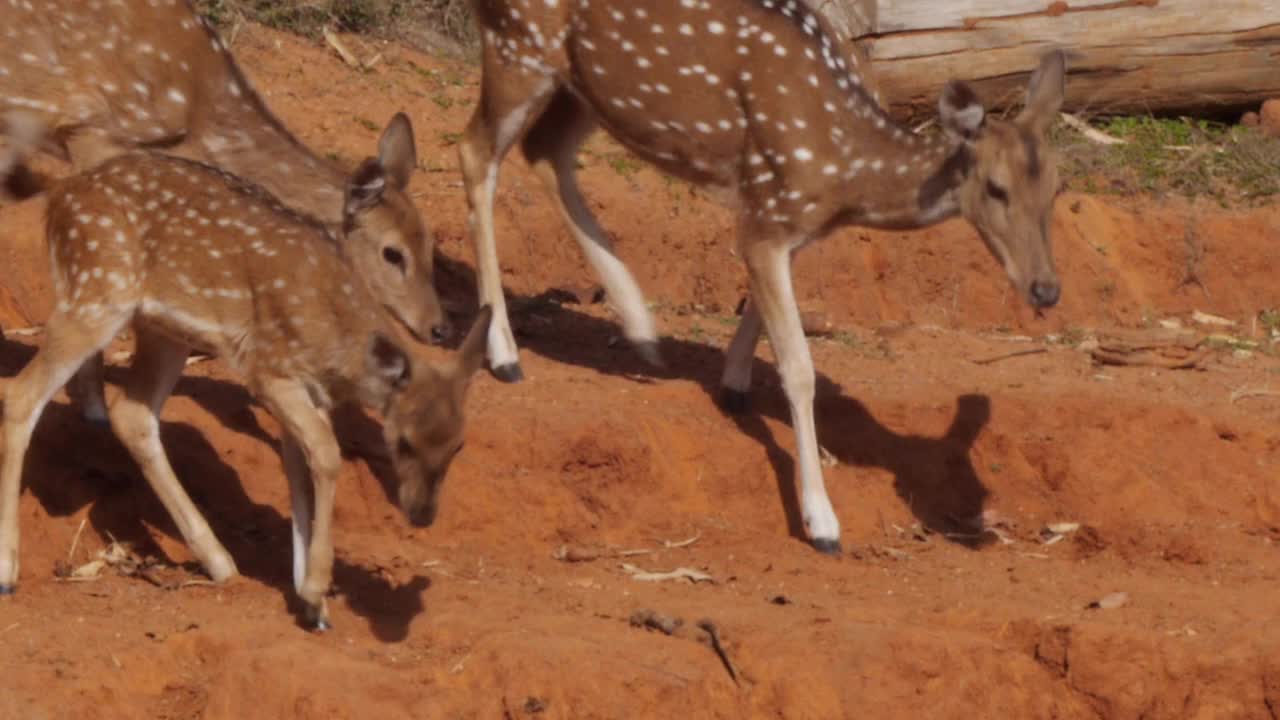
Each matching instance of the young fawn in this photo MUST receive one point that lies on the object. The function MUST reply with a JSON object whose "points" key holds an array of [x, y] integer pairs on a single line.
{"points": [[754, 98], [192, 257], [89, 80]]}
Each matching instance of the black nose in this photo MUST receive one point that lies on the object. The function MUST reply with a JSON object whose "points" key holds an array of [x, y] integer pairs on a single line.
{"points": [[423, 518], [1045, 294], [441, 332]]}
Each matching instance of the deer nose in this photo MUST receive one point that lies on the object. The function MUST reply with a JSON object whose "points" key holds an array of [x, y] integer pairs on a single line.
{"points": [[1045, 294], [441, 331]]}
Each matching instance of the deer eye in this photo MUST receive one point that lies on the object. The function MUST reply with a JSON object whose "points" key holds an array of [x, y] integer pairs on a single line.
{"points": [[404, 448], [393, 256], [997, 192]]}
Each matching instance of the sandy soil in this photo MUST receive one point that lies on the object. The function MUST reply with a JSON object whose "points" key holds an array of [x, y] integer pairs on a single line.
{"points": [[1176, 487]]}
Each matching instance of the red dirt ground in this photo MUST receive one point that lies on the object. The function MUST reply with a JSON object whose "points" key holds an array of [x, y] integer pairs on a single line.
{"points": [[1177, 487]]}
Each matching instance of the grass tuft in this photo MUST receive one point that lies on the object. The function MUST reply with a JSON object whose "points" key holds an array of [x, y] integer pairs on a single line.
{"points": [[1178, 156]]}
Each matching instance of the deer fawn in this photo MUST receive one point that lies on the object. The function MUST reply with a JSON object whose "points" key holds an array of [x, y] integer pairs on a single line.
{"points": [[755, 98], [88, 80], [194, 258]]}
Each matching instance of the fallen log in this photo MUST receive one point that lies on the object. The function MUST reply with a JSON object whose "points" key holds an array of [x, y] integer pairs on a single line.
{"points": [[1126, 56]]}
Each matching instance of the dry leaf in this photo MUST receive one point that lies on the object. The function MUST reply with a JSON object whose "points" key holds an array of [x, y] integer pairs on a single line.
{"points": [[682, 573], [1207, 319]]}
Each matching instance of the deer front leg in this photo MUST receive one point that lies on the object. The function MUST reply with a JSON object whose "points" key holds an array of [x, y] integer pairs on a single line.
{"points": [[301, 502], [769, 267], [309, 448]]}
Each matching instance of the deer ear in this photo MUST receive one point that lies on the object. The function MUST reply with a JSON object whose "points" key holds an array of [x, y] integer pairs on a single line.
{"points": [[471, 354], [1045, 91], [389, 361], [365, 187], [396, 150], [960, 111]]}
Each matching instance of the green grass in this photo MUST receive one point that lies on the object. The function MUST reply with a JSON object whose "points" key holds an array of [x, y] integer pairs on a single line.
{"points": [[1175, 156], [450, 19]]}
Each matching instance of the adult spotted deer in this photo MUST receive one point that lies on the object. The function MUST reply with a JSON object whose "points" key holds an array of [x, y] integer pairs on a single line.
{"points": [[89, 80], [191, 257], [755, 98]]}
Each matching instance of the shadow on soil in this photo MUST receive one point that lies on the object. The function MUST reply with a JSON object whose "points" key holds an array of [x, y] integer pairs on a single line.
{"points": [[98, 472], [933, 475]]}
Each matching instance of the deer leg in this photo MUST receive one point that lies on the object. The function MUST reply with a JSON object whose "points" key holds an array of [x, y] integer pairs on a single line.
{"points": [[735, 383], [135, 417], [551, 149], [309, 445], [86, 390], [508, 103], [769, 268], [69, 341], [301, 501]]}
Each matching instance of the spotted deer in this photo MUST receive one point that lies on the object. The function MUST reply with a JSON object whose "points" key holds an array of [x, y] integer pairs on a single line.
{"points": [[89, 80], [758, 100], [193, 258]]}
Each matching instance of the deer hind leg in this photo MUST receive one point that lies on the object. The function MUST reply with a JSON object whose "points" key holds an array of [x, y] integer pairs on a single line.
{"points": [[735, 383], [769, 268], [86, 389], [312, 462], [69, 340], [509, 102], [135, 418], [551, 149]]}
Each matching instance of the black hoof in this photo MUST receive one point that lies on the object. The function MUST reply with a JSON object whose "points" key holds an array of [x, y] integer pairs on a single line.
{"points": [[826, 547], [8, 589], [648, 350], [509, 373], [734, 402]]}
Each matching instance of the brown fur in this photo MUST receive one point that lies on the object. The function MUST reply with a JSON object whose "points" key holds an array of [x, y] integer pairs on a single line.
{"points": [[757, 100], [193, 258]]}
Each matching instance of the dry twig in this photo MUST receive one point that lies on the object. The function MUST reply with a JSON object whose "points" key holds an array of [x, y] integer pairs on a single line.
{"points": [[1091, 132], [1009, 355], [710, 629]]}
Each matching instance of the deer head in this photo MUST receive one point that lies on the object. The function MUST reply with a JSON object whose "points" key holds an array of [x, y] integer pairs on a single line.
{"points": [[386, 239], [1010, 177], [423, 422]]}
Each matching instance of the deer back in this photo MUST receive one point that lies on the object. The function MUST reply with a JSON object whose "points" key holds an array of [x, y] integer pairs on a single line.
{"points": [[218, 264]]}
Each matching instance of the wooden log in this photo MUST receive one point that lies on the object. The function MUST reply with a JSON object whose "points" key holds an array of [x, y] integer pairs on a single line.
{"points": [[1130, 56], [850, 18]]}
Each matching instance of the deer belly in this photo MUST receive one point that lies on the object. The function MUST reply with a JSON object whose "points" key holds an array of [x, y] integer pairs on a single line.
{"points": [[206, 328]]}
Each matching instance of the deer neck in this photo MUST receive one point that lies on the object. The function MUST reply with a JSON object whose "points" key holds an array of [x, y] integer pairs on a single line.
{"points": [[239, 133], [906, 182]]}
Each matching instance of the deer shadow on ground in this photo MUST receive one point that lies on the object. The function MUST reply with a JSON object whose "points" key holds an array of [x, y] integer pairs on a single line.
{"points": [[934, 476], [101, 474]]}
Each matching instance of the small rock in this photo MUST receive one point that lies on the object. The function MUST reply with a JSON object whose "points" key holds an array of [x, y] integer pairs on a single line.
{"points": [[1270, 117], [1110, 602], [1250, 119], [816, 323]]}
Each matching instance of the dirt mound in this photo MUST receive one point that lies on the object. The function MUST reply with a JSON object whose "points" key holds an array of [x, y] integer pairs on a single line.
{"points": [[954, 597]]}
